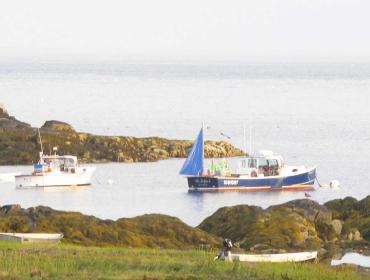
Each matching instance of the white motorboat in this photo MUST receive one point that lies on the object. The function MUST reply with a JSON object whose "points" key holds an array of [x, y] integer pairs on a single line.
{"points": [[55, 170]]}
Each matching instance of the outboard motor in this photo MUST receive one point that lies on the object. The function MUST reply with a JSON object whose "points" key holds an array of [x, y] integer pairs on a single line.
{"points": [[225, 253]]}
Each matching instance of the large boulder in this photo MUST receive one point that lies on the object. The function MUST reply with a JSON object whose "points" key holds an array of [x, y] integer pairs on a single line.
{"points": [[232, 222], [337, 226], [289, 226], [355, 216], [3, 112], [10, 122], [309, 209], [57, 126]]}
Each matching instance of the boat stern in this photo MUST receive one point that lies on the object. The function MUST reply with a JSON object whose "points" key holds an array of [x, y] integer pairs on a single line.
{"points": [[199, 183]]}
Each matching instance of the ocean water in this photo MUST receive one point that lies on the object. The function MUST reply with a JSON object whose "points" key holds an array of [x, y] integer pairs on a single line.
{"points": [[311, 114], [353, 258]]}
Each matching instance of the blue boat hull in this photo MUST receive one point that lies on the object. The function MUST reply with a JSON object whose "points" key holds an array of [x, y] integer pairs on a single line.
{"points": [[302, 181]]}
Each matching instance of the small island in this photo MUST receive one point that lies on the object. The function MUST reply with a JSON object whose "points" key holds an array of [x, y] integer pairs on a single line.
{"points": [[19, 144]]}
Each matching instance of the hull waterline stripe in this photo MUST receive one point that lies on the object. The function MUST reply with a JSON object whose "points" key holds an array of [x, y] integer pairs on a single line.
{"points": [[222, 189]]}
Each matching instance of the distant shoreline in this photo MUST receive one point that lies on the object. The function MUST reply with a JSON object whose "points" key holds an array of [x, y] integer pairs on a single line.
{"points": [[19, 144]]}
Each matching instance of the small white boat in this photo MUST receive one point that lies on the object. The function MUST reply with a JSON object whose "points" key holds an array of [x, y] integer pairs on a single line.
{"points": [[54, 171], [286, 257], [8, 177], [31, 237]]}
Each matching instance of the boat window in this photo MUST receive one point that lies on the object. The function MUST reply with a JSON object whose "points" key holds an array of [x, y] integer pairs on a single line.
{"points": [[263, 166], [273, 167], [252, 163], [262, 162], [69, 162], [244, 164], [273, 163], [52, 162]]}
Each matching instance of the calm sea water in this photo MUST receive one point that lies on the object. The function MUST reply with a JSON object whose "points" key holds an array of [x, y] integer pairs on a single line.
{"points": [[311, 114]]}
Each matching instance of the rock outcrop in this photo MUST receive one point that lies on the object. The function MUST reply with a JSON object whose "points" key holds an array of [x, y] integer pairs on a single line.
{"points": [[303, 224], [153, 231], [293, 226], [3, 111], [57, 126], [19, 144], [10, 122], [355, 217]]}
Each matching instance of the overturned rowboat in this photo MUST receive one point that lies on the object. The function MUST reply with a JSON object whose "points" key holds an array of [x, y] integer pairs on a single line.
{"points": [[276, 258], [226, 255], [31, 237]]}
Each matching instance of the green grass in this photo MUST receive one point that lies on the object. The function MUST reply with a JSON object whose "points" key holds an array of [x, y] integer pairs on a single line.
{"points": [[74, 262]]}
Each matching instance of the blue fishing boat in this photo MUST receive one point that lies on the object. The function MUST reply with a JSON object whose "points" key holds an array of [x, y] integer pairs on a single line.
{"points": [[264, 171]]}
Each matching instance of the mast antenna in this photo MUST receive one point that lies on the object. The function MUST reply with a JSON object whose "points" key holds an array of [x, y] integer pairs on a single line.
{"points": [[244, 139], [250, 140], [42, 148], [203, 147]]}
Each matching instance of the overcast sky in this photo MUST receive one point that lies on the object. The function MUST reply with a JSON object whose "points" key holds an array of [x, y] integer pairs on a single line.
{"points": [[188, 29]]}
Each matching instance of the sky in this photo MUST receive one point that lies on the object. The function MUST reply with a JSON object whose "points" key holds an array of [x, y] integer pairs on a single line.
{"points": [[184, 30]]}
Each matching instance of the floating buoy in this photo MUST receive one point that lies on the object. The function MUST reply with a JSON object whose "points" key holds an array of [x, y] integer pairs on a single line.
{"points": [[109, 181], [334, 184]]}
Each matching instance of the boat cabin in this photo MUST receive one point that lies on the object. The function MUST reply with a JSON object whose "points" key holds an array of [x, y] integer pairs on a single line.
{"points": [[55, 162], [262, 165]]}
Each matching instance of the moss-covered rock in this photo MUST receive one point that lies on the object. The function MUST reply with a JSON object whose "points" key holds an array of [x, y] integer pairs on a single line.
{"points": [[355, 216], [154, 231], [295, 225], [57, 126]]}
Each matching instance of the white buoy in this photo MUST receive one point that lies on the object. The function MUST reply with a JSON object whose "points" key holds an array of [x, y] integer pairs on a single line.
{"points": [[110, 181], [334, 184]]}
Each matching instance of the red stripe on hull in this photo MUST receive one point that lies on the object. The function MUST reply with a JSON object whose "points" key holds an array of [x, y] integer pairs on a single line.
{"points": [[230, 189]]}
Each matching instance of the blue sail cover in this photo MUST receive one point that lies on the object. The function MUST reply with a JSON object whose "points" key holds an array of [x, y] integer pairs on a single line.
{"points": [[194, 163]]}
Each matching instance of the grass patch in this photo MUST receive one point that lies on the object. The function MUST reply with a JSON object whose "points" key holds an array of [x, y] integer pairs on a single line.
{"points": [[74, 262]]}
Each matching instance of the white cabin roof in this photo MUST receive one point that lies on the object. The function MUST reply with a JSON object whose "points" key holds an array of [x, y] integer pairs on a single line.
{"points": [[59, 157], [265, 153]]}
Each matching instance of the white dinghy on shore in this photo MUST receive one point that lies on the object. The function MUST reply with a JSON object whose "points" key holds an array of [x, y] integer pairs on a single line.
{"points": [[31, 237], [226, 255], [275, 258]]}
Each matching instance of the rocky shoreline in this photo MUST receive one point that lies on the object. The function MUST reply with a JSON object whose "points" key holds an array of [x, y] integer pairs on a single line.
{"points": [[334, 228], [338, 226], [19, 144]]}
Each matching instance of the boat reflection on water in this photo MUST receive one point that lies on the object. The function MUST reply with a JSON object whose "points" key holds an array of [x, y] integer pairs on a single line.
{"points": [[54, 189]]}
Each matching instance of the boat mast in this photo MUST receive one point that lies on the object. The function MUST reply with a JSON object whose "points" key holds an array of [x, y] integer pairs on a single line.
{"points": [[250, 140], [42, 149], [203, 148], [245, 140]]}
